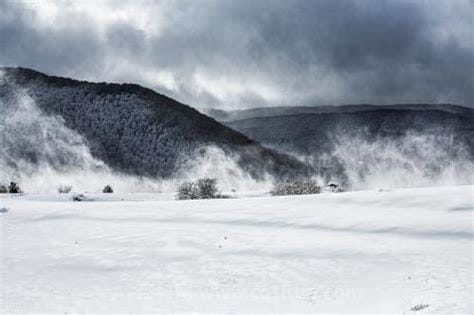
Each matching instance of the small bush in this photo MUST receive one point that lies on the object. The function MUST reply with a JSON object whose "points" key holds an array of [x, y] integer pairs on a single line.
{"points": [[187, 191], [79, 197], [419, 307], [64, 189], [107, 190], [307, 187], [204, 188], [207, 188], [14, 188], [3, 189]]}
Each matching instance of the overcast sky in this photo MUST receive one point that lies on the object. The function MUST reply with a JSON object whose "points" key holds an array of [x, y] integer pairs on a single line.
{"points": [[238, 54]]}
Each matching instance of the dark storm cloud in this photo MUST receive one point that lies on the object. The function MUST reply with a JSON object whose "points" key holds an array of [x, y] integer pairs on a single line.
{"points": [[254, 53], [51, 50]]}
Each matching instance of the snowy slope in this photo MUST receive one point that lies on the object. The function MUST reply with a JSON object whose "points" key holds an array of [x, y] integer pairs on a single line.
{"points": [[366, 251]]}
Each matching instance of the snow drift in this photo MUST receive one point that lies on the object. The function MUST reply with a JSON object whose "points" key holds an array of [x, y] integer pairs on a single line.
{"points": [[358, 252]]}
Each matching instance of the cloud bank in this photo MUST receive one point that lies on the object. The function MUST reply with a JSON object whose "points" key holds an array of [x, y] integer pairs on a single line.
{"points": [[239, 54]]}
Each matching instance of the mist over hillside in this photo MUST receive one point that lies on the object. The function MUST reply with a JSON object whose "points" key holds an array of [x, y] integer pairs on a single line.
{"points": [[368, 145], [67, 124], [89, 130]]}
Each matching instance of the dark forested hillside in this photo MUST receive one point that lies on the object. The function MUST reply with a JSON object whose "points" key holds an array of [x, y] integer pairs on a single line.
{"points": [[361, 145], [135, 130], [306, 130]]}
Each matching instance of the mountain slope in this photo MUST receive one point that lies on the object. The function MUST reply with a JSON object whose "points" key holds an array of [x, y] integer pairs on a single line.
{"points": [[370, 146], [133, 129], [313, 132]]}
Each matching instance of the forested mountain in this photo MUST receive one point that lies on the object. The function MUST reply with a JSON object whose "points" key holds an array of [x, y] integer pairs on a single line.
{"points": [[136, 130], [230, 115], [366, 145], [316, 130]]}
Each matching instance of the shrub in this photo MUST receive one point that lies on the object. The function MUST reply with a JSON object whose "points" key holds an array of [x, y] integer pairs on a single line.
{"points": [[204, 188], [64, 189], [3, 189], [187, 191], [207, 188], [107, 190], [14, 188], [419, 307], [295, 188], [79, 197]]}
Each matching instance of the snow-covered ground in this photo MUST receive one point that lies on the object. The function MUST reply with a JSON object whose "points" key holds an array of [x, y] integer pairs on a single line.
{"points": [[368, 251]]}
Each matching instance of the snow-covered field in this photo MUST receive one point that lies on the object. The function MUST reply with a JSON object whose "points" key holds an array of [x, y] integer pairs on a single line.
{"points": [[368, 251]]}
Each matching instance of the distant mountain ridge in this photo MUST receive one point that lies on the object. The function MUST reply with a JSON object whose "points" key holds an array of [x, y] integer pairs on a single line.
{"points": [[231, 115], [136, 130], [312, 130], [356, 145]]}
